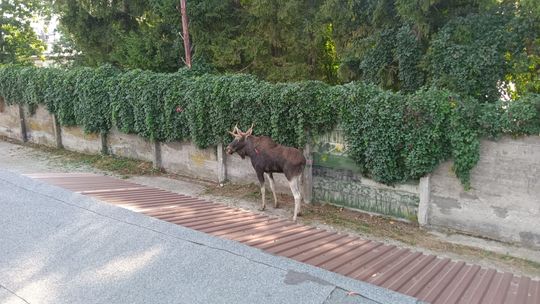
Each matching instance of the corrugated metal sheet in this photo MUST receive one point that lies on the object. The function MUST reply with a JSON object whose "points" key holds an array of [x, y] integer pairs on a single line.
{"points": [[426, 277]]}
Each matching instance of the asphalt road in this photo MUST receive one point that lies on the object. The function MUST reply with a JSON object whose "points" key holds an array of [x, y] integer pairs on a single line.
{"points": [[61, 247]]}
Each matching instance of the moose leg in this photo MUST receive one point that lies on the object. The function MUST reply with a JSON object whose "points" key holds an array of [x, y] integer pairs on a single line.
{"points": [[271, 180], [260, 175], [294, 183]]}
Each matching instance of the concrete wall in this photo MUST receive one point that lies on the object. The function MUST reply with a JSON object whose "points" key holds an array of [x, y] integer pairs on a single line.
{"points": [[504, 202], [186, 159], [337, 179], [40, 127], [129, 145], [10, 124], [74, 139], [349, 189]]}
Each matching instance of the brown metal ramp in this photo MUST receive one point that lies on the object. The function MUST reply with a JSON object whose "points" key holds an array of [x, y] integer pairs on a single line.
{"points": [[426, 277]]}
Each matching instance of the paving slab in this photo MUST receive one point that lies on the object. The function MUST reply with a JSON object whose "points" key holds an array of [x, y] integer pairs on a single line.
{"points": [[426, 277], [57, 246]]}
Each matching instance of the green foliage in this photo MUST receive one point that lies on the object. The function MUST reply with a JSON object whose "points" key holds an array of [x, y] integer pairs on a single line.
{"points": [[377, 65], [511, 117], [92, 106], [468, 55], [464, 138], [266, 38], [9, 84], [130, 34], [18, 41], [473, 48], [19, 44], [525, 65], [394, 137], [385, 41], [399, 137], [425, 127], [446, 63], [408, 53], [61, 95]]}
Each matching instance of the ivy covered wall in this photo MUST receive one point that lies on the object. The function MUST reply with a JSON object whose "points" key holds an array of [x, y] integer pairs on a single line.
{"points": [[393, 137]]}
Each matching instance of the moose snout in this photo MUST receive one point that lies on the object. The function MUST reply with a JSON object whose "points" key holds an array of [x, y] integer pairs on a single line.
{"points": [[229, 150]]}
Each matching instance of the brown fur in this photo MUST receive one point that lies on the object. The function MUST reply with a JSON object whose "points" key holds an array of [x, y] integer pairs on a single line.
{"points": [[268, 157]]}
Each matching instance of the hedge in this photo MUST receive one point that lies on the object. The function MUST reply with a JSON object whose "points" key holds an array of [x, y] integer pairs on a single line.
{"points": [[393, 136]]}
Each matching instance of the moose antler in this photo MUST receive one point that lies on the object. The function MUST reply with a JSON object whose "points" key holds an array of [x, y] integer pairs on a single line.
{"points": [[250, 130], [236, 132]]}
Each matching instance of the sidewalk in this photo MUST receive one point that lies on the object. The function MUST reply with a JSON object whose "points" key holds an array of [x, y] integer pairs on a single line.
{"points": [[61, 247]]}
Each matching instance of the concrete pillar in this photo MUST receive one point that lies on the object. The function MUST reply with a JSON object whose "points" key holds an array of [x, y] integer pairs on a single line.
{"points": [[57, 132], [157, 155], [308, 175], [222, 168], [424, 190], [104, 145], [24, 134]]}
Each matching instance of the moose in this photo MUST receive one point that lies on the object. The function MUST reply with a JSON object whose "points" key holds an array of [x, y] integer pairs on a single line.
{"points": [[268, 157]]}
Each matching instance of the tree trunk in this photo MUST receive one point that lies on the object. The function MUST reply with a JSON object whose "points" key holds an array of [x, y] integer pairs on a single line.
{"points": [[185, 31]]}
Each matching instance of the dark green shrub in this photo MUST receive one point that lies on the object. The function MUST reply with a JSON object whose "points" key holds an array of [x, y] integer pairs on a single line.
{"points": [[394, 137]]}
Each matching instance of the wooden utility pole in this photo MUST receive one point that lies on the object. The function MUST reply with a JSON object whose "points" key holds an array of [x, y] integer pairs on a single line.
{"points": [[185, 31]]}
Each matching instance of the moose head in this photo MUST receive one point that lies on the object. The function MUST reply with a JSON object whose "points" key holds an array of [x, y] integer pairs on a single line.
{"points": [[239, 142]]}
